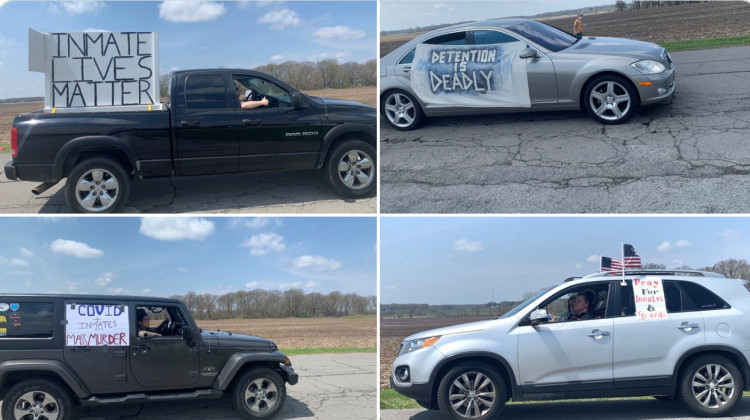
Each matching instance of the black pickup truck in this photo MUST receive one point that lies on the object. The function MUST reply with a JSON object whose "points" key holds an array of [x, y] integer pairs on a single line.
{"points": [[202, 130]]}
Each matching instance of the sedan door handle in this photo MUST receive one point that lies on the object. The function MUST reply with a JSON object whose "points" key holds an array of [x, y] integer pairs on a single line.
{"points": [[597, 334], [407, 69], [250, 122], [688, 327], [188, 123]]}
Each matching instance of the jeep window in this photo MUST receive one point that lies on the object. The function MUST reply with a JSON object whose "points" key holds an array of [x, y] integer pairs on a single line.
{"points": [[29, 320], [492, 37], [167, 321], [259, 87], [205, 91]]}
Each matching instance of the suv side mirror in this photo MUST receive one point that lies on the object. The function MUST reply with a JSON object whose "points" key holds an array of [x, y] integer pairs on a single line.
{"points": [[539, 316], [528, 53], [297, 101]]}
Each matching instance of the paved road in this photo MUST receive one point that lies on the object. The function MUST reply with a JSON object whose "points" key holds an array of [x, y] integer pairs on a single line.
{"points": [[690, 156], [589, 410], [278, 192], [331, 387]]}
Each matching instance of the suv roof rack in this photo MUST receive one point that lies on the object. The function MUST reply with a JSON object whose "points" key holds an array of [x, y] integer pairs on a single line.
{"points": [[661, 272]]}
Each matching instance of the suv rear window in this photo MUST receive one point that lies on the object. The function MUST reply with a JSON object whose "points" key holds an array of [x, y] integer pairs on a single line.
{"points": [[27, 320]]}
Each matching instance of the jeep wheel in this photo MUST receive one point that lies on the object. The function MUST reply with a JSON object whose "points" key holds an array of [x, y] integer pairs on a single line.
{"points": [[37, 399], [610, 99], [351, 169], [471, 390], [711, 386], [259, 393], [97, 185], [401, 110]]}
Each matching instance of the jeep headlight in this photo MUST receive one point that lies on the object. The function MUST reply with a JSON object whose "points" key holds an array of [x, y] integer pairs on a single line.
{"points": [[649, 66], [411, 345]]}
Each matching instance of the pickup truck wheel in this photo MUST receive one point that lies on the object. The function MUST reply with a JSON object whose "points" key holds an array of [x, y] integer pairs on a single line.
{"points": [[711, 386], [37, 399], [259, 393], [97, 185], [351, 169], [471, 390]]}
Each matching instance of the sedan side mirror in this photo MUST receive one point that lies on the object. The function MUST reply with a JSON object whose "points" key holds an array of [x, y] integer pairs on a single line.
{"points": [[528, 53]]}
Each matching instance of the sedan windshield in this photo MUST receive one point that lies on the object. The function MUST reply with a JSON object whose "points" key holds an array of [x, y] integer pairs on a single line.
{"points": [[545, 36]]}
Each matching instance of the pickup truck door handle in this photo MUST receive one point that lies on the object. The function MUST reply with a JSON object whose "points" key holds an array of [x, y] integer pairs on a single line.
{"points": [[246, 121], [188, 123], [141, 349], [688, 326], [80, 349], [597, 334]]}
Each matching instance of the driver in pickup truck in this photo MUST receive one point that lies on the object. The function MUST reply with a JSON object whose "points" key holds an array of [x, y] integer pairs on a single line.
{"points": [[246, 101], [144, 331]]}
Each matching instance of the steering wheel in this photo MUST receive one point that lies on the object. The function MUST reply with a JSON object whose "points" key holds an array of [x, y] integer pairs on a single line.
{"points": [[164, 327]]}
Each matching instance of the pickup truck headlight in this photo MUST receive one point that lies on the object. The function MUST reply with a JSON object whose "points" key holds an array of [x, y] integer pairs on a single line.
{"points": [[649, 66], [411, 345]]}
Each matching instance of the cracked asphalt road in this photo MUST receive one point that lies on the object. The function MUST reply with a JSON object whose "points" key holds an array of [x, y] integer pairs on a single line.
{"points": [[688, 156], [269, 192], [330, 387]]}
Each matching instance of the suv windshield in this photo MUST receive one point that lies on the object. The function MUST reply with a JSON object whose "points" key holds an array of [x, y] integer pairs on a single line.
{"points": [[544, 35], [524, 303]]}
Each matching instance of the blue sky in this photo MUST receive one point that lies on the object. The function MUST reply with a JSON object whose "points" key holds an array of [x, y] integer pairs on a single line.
{"points": [[397, 14], [440, 260], [163, 256], [195, 34]]}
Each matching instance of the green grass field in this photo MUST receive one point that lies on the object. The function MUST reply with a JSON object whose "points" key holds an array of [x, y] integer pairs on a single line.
{"points": [[701, 44]]}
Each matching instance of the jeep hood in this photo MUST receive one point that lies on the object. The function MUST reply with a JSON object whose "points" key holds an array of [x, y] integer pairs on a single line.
{"points": [[228, 339], [616, 47], [454, 329]]}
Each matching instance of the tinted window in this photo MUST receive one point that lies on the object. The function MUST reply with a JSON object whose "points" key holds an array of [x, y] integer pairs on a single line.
{"points": [[548, 37], [455, 38], [701, 299], [29, 320], [492, 37], [409, 57], [205, 91]]}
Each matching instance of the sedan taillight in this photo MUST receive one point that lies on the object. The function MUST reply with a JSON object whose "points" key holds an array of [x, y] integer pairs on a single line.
{"points": [[13, 142]]}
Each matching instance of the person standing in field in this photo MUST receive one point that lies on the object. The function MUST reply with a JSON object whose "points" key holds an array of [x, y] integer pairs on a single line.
{"points": [[578, 26]]}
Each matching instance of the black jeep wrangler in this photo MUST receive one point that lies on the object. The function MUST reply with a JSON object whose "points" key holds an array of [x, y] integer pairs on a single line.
{"points": [[59, 352]]}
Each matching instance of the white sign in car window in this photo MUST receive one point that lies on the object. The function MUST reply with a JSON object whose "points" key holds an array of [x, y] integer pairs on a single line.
{"points": [[96, 69], [97, 325], [649, 298], [490, 75]]}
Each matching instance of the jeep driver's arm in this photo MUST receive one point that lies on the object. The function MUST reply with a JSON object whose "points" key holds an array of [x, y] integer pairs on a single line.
{"points": [[147, 334], [254, 104]]}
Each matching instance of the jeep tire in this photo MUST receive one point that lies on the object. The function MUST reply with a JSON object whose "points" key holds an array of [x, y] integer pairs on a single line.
{"points": [[97, 185], [711, 386], [258, 393], [38, 399], [471, 390], [351, 169]]}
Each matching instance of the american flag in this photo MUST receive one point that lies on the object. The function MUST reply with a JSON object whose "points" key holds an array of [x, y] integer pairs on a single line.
{"points": [[608, 264], [632, 260]]}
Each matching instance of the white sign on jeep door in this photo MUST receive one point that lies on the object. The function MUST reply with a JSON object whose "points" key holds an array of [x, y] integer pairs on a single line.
{"points": [[97, 325], [649, 298]]}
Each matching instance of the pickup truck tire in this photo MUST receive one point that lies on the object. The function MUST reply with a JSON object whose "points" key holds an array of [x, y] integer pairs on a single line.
{"points": [[97, 185], [351, 169], [259, 393], [471, 390], [37, 399]]}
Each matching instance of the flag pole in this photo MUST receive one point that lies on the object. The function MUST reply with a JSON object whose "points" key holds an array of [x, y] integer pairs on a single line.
{"points": [[622, 251]]}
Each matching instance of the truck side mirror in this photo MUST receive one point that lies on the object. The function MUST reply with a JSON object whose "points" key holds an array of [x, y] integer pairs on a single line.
{"points": [[297, 101]]}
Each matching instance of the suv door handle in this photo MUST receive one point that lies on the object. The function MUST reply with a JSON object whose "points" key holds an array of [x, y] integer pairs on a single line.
{"points": [[80, 349], [188, 123], [597, 334], [688, 327], [250, 122], [141, 349]]}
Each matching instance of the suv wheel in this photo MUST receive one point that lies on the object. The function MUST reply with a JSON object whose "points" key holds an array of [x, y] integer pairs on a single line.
{"points": [[351, 169], [401, 110], [471, 390], [610, 99], [259, 393], [711, 386], [37, 399], [97, 185]]}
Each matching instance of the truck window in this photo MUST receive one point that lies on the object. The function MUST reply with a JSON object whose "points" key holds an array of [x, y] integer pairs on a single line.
{"points": [[205, 91], [254, 88], [27, 320]]}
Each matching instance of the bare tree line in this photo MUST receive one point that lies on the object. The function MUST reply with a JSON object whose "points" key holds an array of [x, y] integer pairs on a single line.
{"points": [[259, 303], [621, 5]]}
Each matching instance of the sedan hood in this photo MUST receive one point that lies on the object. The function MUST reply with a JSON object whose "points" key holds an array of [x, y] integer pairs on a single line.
{"points": [[454, 329], [228, 339], [618, 47]]}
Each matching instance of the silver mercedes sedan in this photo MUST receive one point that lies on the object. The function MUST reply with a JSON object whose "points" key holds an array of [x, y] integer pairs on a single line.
{"points": [[520, 65]]}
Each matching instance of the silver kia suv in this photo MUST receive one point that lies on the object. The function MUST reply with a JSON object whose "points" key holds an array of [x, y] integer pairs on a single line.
{"points": [[691, 342]]}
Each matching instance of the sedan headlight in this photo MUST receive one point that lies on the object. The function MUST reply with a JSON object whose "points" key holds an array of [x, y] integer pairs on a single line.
{"points": [[411, 345], [649, 66]]}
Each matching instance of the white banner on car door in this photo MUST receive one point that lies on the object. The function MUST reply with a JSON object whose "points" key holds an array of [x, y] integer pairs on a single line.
{"points": [[97, 325], [490, 75]]}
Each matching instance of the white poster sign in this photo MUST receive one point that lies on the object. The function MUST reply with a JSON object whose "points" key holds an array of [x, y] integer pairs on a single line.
{"points": [[96, 69], [649, 298], [471, 75], [97, 325]]}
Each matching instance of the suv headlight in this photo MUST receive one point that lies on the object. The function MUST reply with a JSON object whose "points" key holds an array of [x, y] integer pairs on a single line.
{"points": [[649, 66], [411, 345]]}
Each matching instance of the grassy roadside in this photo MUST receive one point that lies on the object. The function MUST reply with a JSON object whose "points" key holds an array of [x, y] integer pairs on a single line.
{"points": [[702, 44], [327, 350]]}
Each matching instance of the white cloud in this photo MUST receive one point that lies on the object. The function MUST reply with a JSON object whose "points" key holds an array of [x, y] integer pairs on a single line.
{"points": [[182, 270], [27, 284], [277, 57], [190, 11], [328, 55], [258, 222], [146, 290], [26, 253], [682, 243], [676, 263], [298, 285], [730, 234], [338, 33], [22, 273], [176, 229], [252, 285], [593, 258], [467, 245], [96, 30], [75, 249], [281, 18], [80, 7], [263, 243], [579, 266], [316, 263], [117, 290], [666, 245], [71, 286], [14, 261], [105, 279]]}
